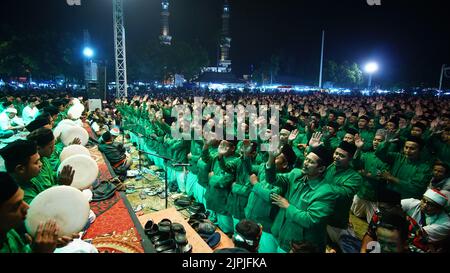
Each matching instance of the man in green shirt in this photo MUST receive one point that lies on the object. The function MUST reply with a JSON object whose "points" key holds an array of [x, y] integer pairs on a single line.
{"points": [[365, 133], [308, 203], [259, 207], [219, 184], [368, 165], [47, 178], [409, 174], [345, 182], [13, 211]]}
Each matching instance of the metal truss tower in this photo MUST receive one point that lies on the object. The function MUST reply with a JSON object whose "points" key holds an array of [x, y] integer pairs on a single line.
{"points": [[119, 48]]}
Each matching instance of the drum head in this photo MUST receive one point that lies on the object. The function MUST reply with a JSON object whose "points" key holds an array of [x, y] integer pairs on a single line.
{"points": [[75, 111], [67, 121], [70, 133], [86, 170], [60, 128], [73, 149], [66, 205]]}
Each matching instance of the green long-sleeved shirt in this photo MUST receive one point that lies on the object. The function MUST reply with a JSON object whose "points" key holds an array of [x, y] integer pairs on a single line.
{"points": [[219, 184], [13, 243], [345, 183], [311, 204], [45, 180], [241, 188], [259, 206], [413, 175], [370, 186]]}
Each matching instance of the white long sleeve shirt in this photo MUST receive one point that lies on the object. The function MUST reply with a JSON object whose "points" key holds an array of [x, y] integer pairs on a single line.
{"points": [[29, 114], [436, 226]]}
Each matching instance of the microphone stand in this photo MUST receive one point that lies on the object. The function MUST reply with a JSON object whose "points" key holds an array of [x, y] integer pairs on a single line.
{"points": [[166, 160]]}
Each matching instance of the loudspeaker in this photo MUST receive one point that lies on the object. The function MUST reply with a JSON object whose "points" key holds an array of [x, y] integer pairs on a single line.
{"points": [[93, 91]]}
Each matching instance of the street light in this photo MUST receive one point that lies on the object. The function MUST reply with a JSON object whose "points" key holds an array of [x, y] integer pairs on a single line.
{"points": [[88, 52], [371, 68]]}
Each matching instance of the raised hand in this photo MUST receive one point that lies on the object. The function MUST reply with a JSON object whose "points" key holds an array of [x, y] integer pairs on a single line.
{"points": [[315, 140], [359, 142], [66, 175], [293, 135], [253, 179]]}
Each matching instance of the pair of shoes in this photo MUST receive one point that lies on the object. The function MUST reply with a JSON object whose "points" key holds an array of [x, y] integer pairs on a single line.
{"points": [[207, 228], [183, 201], [197, 208], [212, 240]]}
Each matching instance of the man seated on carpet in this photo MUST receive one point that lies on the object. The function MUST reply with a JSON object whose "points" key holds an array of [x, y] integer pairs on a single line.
{"points": [[22, 162], [47, 178], [115, 153], [13, 210], [429, 219], [9, 122]]}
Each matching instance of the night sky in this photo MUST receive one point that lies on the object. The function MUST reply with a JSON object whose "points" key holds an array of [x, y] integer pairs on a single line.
{"points": [[409, 39]]}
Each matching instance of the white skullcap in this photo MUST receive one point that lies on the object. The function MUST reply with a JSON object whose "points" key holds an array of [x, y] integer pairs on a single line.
{"points": [[115, 131], [11, 110], [436, 196]]}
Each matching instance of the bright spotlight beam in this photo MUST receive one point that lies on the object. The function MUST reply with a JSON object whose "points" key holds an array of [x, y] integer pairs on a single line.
{"points": [[88, 52], [371, 67]]}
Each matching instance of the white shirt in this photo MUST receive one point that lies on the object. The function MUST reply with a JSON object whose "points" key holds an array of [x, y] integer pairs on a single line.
{"points": [[5, 121], [29, 114], [436, 226]]}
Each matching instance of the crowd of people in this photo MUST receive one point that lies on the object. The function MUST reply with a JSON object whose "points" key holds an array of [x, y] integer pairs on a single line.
{"points": [[384, 159]]}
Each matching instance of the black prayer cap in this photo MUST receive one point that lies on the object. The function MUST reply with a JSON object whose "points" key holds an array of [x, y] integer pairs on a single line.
{"points": [[18, 152], [364, 117], [341, 114], [334, 125], [352, 131], [52, 110], [348, 147], [289, 154], [39, 122], [41, 136], [395, 121], [324, 154], [106, 136], [8, 187], [420, 125], [288, 127], [415, 139]]}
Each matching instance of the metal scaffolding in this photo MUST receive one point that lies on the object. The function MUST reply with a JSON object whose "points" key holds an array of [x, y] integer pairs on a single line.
{"points": [[119, 48]]}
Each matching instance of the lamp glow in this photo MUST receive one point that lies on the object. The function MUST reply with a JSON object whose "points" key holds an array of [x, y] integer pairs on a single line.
{"points": [[371, 67], [88, 52]]}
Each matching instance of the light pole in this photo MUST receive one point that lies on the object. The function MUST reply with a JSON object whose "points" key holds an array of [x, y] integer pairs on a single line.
{"points": [[371, 68], [88, 53]]}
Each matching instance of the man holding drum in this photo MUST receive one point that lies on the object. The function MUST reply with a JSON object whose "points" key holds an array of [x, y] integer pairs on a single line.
{"points": [[13, 211], [22, 162]]}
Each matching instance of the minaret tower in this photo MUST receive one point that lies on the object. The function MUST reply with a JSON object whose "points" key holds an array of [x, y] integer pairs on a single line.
{"points": [[165, 38], [225, 40]]}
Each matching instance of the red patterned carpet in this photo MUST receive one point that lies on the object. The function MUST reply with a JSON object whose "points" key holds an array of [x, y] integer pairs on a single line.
{"points": [[113, 231]]}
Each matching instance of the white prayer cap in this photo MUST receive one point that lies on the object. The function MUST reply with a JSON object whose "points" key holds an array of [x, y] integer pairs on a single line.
{"points": [[115, 131], [436, 196], [11, 110]]}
